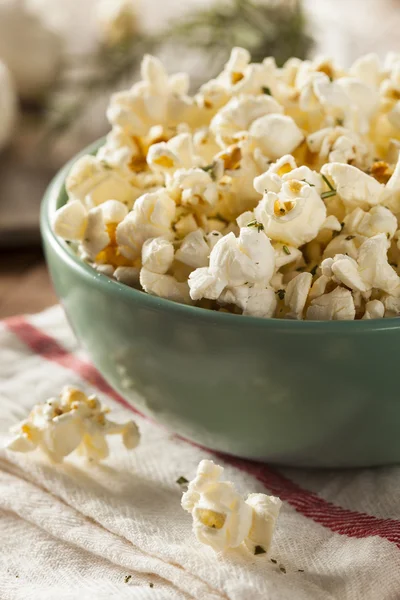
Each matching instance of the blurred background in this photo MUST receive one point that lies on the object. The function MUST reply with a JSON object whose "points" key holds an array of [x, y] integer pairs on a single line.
{"points": [[61, 59]]}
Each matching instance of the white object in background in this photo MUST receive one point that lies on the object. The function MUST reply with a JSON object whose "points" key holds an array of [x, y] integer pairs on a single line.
{"points": [[8, 105], [31, 50]]}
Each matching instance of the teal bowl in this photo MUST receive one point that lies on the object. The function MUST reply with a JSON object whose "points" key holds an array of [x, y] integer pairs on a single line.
{"points": [[300, 393]]}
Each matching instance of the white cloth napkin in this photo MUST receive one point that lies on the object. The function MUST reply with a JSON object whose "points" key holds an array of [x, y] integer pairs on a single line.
{"points": [[117, 530]]}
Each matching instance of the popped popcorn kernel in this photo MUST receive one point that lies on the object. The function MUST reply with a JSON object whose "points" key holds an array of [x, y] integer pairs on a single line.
{"points": [[222, 518], [72, 421], [271, 192]]}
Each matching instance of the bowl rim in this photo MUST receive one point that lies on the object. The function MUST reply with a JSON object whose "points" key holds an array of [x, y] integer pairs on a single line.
{"points": [[49, 206]]}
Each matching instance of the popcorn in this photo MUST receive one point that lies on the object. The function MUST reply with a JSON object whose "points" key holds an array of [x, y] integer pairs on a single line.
{"points": [[96, 237], [235, 118], [212, 96], [375, 268], [128, 275], [177, 152], [194, 188], [265, 515], [368, 70], [338, 305], [234, 262], [344, 270], [272, 192], [157, 255], [389, 89], [113, 211], [319, 287], [378, 219], [70, 221], [107, 270], [184, 224], [156, 100], [374, 309], [363, 102], [241, 164], [297, 293], [275, 135], [92, 182], [239, 76], [195, 249], [151, 216], [72, 421], [295, 212], [346, 99], [250, 257], [284, 254], [370, 271], [222, 519], [338, 144], [94, 228], [319, 95], [122, 152], [331, 223], [205, 146], [306, 69], [392, 190], [254, 300], [213, 237], [344, 244], [164, 286], [392, 305], [354, 187]]}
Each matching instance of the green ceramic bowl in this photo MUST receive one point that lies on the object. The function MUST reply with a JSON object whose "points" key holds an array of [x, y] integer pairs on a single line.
{"points": [[290, 392]]}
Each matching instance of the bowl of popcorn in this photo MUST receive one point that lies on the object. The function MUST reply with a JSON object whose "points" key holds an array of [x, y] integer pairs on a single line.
{"points": [[230, 260]]}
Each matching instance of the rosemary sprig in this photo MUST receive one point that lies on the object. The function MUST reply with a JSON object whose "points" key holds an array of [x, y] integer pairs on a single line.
{"points": [[328, 194], [259, 226], [328, 183]]}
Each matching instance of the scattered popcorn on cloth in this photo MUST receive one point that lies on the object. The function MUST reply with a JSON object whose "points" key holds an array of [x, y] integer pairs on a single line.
{"points": [[116, 529], [222, 519], [72, 421], [307, 154]]}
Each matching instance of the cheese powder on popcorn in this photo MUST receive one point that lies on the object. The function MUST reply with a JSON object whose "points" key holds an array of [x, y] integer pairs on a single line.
{"points": [[272, 192]]}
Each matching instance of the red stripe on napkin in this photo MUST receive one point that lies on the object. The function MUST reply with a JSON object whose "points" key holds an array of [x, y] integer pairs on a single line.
{"points": [[48, 348], [337, 519]]}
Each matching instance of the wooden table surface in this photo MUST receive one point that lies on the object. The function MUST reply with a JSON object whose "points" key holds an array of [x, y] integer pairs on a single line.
{"points": [[24, 282]]}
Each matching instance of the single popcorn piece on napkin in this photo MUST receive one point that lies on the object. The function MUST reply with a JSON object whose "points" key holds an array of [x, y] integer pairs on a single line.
{"points": [[222, 518], [71, 421]]}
